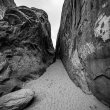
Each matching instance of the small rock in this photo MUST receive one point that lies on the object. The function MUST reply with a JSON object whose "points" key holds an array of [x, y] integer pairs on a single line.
{"points": [[16, 100]]}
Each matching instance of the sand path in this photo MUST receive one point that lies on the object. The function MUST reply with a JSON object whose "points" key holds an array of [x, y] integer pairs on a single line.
{"points": [[55, 91]]}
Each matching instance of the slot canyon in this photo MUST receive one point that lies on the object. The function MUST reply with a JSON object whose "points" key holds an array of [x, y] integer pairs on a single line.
{"points": [[75, 75]]}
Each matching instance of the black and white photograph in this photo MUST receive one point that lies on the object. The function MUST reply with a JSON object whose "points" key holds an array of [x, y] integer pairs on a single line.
{"points": [[54, 54]]}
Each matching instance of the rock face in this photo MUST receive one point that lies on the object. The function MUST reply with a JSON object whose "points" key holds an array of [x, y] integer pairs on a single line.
{"points": [[26, 48], [83, 44], [4, 4], [16, 100]]}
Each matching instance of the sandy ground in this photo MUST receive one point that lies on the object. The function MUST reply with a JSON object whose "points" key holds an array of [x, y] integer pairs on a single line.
{"points": [[55, 91]]}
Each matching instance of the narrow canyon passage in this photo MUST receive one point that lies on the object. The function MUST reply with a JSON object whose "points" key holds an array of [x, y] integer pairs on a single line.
{"points": [[55, 91], [31, 76]]}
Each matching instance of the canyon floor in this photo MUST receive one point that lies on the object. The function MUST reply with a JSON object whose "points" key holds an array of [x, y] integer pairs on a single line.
{"points": [[55, 91]]}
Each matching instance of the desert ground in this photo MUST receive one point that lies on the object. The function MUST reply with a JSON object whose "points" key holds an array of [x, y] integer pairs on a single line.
{"points": [[55, 91]]}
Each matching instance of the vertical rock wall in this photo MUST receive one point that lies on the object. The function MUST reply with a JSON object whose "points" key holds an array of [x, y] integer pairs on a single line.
{"points": [[83, 45]]}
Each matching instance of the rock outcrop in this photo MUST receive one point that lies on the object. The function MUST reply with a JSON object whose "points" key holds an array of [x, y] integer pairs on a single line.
{"points": [[26, 48], [4, 4], [83, 44], [16, 100]]}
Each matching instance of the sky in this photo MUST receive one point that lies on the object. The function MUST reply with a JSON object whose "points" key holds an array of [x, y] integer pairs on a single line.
{"points": [[53, 9]]}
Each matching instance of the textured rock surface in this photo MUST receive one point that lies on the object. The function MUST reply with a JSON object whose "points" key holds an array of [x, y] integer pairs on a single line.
{"points": [[4, 4], [26, 48], [16, 100], [83, 44]]}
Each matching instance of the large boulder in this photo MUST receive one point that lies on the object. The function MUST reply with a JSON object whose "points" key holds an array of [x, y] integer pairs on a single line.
{"points": [[16, 100], [26, 48], [83, 44]]}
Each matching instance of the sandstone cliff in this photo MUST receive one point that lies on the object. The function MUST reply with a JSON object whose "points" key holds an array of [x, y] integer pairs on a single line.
{"points": [[26, 48], [83, 45]]}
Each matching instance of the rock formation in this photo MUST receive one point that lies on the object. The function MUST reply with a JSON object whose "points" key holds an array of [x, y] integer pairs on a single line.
{"points": [[83, 45], [26, 48], [4, 4], [16, 100]]}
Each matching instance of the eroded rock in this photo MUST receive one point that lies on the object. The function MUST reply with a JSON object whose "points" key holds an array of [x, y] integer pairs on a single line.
{"points": [[26, 48], [4, 4], [16, 100], [83, 44]]}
